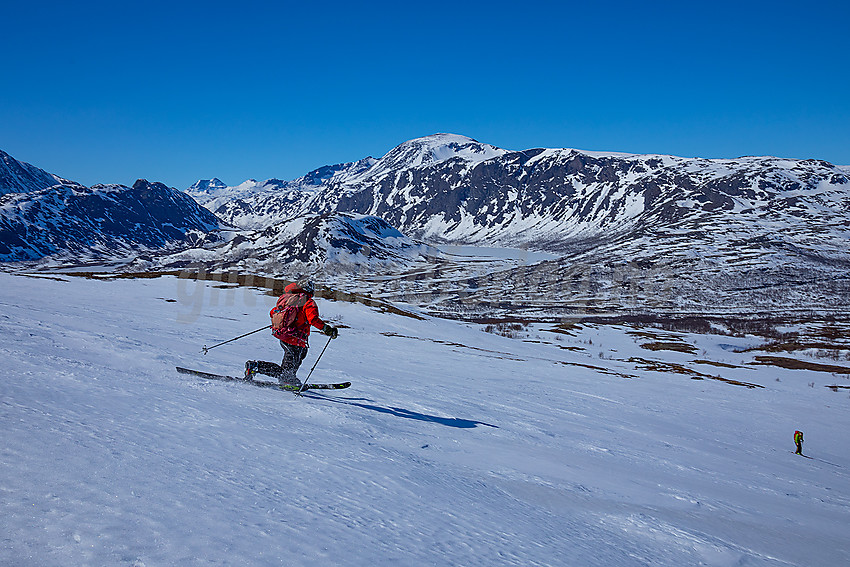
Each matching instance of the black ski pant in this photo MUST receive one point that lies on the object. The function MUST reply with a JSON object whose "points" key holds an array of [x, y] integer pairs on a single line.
{"points": [[286, 371]]}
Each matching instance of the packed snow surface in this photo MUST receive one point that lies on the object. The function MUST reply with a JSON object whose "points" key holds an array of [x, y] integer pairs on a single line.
{"points": [[452, 447]]}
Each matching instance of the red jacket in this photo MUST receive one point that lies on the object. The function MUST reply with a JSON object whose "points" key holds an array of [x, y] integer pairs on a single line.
{"points": [[308, 315]]}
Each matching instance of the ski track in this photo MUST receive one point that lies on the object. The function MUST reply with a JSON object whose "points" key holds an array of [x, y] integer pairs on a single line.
{"points": [[437, 455]]}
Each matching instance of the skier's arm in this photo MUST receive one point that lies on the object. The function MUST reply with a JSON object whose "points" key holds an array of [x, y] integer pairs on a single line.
{"points": [[312, 314], [311, 311]]}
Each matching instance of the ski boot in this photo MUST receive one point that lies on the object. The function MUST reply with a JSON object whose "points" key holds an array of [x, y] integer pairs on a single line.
{"points": [[250, 371]]}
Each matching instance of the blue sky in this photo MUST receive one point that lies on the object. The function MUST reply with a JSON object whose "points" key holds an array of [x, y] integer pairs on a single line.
{"points": [[107, 92]]}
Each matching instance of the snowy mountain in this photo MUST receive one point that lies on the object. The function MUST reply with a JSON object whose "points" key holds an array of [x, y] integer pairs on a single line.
{"points": [[546, 198], [621, 232], [685, 233], [19, 177], [210, 192], [74, 223], [256, 205], [335, 243], [448, 188], [428, 152], [322, 190], [203, 189]]}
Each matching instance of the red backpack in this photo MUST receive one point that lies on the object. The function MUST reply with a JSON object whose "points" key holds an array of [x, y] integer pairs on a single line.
{"points": [[285, 316]]}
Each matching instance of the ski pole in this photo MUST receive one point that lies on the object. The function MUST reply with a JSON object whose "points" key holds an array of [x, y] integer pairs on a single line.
{"points": [[206, 348], [304, 385]]}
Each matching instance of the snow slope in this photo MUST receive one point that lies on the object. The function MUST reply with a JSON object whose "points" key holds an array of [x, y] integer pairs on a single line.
{"points": [[453, 446]]}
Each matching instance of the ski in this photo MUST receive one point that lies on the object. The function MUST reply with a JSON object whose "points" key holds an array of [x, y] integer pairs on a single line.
{"points": [[260, 383]]}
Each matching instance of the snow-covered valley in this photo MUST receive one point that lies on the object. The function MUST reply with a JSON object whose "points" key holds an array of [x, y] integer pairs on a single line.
{"points": [[560, 445]]}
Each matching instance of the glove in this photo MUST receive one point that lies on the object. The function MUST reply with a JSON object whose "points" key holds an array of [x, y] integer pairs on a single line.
{"points": [[330, 331]]}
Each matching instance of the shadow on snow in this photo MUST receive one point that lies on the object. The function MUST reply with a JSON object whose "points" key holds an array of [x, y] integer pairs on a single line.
{"points": [[405, 413]]}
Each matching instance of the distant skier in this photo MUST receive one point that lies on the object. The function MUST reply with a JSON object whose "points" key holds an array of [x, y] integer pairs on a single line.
{"points": [[798, 439], [292, 317]]}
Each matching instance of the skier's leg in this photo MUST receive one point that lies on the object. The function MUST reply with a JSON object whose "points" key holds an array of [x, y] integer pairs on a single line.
{"points": [[293, 356], [263, 367]]}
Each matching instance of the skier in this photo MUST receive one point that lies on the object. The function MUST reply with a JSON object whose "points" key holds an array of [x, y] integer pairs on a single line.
{"points": [[292, 317], [798, 439]]}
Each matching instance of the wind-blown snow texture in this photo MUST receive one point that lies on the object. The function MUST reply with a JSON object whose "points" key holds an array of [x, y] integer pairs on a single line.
{"points": [[453, 446]]}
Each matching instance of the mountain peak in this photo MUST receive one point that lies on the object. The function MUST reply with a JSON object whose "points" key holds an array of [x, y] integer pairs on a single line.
{"points": [[19, 177], [430, 150], [447, 138], [206, 185]]}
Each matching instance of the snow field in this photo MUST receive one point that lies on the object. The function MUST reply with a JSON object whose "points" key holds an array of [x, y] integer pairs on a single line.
{"points": [[452, 447]]}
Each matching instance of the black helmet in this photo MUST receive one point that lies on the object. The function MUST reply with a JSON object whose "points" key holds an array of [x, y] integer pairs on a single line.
{"points": [[307, 286]]}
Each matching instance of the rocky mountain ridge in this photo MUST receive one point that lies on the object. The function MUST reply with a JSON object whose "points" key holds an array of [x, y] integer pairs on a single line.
{"points": [[336, 243], [620, 231], [683, 233], [19, 177], [431, 188], [254, 205], [69, 224]]}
